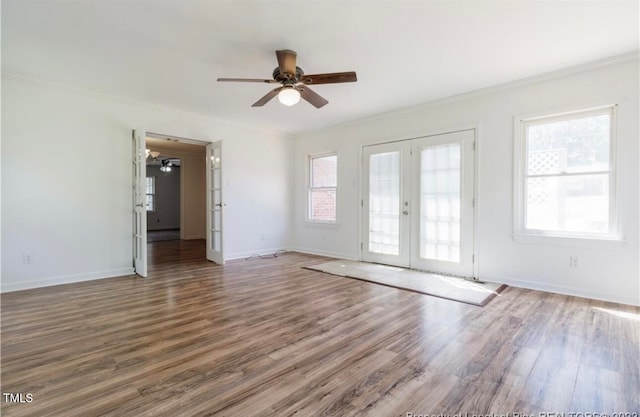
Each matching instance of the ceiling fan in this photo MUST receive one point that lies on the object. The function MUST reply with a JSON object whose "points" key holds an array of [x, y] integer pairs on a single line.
{"points": [[166, 165], [294, 82]]}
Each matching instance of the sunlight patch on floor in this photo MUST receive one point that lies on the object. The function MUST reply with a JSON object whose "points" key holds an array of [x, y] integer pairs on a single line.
{"points": [[622, 314], [458, 289]]}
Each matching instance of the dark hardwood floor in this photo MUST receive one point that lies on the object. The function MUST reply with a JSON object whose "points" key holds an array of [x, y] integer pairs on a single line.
{"points": [[267, 338]]}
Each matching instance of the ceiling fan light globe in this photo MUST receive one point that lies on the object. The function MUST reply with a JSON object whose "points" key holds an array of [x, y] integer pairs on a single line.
{"points": [[289, 96]]}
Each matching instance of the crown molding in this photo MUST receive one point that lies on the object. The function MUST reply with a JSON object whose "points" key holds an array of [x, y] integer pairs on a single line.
{"points": [[125, 100], [589, 66], [557, 74]]}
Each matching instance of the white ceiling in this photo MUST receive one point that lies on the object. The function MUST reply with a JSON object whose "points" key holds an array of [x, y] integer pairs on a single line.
{"points": [[404, 52]]}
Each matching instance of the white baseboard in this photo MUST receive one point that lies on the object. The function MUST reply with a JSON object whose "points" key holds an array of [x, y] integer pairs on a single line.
{"points": [[261, 252], [558, 289], [561, 289], [633, 299], [64, 279], [193, 237]]}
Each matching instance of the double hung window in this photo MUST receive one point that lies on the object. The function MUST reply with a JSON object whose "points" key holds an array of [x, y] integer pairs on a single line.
{"points": [[565, 184], [323, 186], [151, 193]]}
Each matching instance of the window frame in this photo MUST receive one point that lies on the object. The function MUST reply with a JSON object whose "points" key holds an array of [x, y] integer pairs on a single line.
{"points": [[153, 194], [310, 188], [521, 233]]}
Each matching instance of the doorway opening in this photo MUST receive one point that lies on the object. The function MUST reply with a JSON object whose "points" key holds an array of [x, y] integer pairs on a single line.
{"points": [[187, 190], [170, 193]]}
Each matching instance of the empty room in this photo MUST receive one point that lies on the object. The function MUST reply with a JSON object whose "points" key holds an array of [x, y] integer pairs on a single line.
{"points": [[320, 208]]}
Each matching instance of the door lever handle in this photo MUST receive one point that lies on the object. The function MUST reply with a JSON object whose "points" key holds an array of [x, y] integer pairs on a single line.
{"points": [[139, 205]]}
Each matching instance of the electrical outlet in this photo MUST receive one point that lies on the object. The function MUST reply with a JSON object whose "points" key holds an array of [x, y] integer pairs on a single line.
{"points": [[27, 258], [574, 262]]}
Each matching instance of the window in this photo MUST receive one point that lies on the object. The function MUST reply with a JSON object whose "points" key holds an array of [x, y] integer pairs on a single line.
{"points": [[323, 182], [151, 193], [566, 175]]}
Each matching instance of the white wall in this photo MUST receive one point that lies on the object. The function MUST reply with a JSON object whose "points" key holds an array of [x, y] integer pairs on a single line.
{"points": [[609, 272], [261, 211], [66, 182], [193, 198]]}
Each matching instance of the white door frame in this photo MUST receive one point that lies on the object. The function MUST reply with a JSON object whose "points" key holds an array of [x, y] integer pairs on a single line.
{"points": [[363, 228]]}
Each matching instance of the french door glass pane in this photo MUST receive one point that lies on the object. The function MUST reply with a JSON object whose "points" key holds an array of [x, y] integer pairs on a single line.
{"points": [[384, 203], [440, 202], [215, 240]]}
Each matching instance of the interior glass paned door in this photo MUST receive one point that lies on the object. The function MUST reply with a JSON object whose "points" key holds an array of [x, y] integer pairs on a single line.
{"points": [[139, 203], [215, 203]]}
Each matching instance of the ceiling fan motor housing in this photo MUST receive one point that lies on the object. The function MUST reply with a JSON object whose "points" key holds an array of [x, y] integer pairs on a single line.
{"points": [[286, 77]]}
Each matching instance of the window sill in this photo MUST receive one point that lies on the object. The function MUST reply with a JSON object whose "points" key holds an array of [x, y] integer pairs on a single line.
{"points": [[565, 241], [321, 224]]}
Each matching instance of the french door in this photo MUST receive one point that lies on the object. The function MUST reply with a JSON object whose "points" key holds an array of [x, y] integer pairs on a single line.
{"points": [[215, 204], [139, 203], [418, 203]]}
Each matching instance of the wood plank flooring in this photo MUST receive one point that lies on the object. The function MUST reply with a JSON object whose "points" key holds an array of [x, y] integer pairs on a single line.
{"points": [[267, 338]]}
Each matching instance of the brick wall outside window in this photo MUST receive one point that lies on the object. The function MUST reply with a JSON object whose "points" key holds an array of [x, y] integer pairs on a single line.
{"points": [[323, 187]]}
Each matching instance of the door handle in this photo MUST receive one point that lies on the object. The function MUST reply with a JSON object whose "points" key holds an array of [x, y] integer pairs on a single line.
{"points": [[139, 205], [218, 205], [406, 212]]}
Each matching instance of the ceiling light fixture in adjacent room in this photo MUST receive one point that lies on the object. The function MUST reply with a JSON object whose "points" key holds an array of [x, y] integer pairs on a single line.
{"points": [[166, 166], [150, 153]]}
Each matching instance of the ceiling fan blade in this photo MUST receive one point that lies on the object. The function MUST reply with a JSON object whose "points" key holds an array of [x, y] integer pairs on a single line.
{"points": [[330, 78], [267, 97], [287, 61], [312, 97], [248, 80]]}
